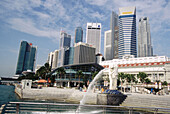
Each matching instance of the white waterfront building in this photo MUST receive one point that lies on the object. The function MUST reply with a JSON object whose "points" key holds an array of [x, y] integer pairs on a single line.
{"points": [[93, 35], [157, 68]]}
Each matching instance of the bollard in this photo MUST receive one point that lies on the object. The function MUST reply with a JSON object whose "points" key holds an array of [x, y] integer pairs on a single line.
{"points": [[17, 108]]}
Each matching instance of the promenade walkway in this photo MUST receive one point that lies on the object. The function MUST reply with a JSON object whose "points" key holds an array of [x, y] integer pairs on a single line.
{"points": [[147, 100]]}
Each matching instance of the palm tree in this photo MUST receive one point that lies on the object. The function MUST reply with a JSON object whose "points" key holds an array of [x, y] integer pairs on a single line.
{"points": [[165, 83], [142, 76], [47, 69], [44, 71], [61, 72], [121, 77], [147, 80], [41, 72], [130, 79], [94, 74], [80, 75]]}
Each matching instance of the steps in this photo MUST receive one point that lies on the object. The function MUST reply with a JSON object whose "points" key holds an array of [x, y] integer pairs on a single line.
{"points": [[147, 100]]}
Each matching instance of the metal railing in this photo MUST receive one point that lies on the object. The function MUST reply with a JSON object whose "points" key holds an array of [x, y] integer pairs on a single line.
{"points": [[23, 107]]}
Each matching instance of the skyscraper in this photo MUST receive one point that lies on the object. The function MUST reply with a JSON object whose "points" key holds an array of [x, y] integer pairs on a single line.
{"points": [[108, 52], [144, 38], [84, 53], [55, 59], [50, 59], [78, 35], [69, 56], [93, 35], [26, 58], [65, 40], [111, 39], [127, 31], [61, 57]]}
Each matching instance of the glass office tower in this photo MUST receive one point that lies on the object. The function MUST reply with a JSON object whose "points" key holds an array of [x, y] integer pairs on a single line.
{"points": [[111, 39], [78, 35], [26, 58], [144, 38], [69, 56], [127, 32], [65, 40]]}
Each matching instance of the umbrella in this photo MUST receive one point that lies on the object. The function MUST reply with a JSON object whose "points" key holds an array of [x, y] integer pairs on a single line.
{"points": [[42, 81]]}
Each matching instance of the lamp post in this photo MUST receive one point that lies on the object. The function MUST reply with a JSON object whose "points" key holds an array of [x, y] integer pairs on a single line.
{"points": [[164, 73]]}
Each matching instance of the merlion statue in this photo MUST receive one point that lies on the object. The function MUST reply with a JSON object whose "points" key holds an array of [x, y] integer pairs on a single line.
{"points": [[113, 75]]}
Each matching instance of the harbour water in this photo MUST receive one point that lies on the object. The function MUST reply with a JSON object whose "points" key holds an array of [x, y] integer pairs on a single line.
{"points": [[7, 94]]}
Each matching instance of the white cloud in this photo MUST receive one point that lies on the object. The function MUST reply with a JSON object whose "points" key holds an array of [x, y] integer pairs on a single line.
{"points": [[27, 26], [45, 18], [97, 2]]}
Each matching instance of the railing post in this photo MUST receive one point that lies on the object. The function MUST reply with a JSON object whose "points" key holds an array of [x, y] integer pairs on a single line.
{"points": [[156, 111], [17, 108], [130, 110], [104, 111]]}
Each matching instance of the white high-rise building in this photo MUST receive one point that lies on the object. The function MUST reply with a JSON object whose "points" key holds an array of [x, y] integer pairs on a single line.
{"points": [[108, 52], [61, 57], [55, 59], [93, 35], [144, 38], [50, 58], [127, 31]]}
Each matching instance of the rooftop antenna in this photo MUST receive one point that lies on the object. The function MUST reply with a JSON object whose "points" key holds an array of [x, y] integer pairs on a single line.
{"points": [[61, 30]]}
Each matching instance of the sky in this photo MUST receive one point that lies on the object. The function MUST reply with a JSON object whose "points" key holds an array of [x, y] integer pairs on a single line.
{"points": [[40, 21]]}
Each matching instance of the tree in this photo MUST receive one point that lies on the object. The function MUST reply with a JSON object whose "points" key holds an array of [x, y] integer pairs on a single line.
{"points": [[94, 74], [61, 72], [121, 77], [131, 79], [147, 80], [30, 76], [142, 76], [85, 79], [44, 71], [165, 83], [41, 72], [80, 75], [47, 70]]}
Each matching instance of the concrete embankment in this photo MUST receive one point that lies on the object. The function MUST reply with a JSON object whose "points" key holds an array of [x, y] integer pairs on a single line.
{"points": [[74, 96], [146, 100], [52, 93], [69, 95]]}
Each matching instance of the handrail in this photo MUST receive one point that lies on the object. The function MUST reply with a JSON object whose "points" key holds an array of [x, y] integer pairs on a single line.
{"points": [[105, 106]]}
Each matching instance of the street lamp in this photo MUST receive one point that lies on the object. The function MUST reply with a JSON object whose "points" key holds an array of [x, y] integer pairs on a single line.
{"points": [[164, 73]]}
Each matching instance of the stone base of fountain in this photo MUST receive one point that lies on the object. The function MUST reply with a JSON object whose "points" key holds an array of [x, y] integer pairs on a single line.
{"points": [[110, 99]]}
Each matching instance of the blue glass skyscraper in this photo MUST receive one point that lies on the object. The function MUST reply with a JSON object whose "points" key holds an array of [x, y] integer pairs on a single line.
{"points": [[69, 56], [127, 31], [26, 58], [65, 40], [78, 35]]}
